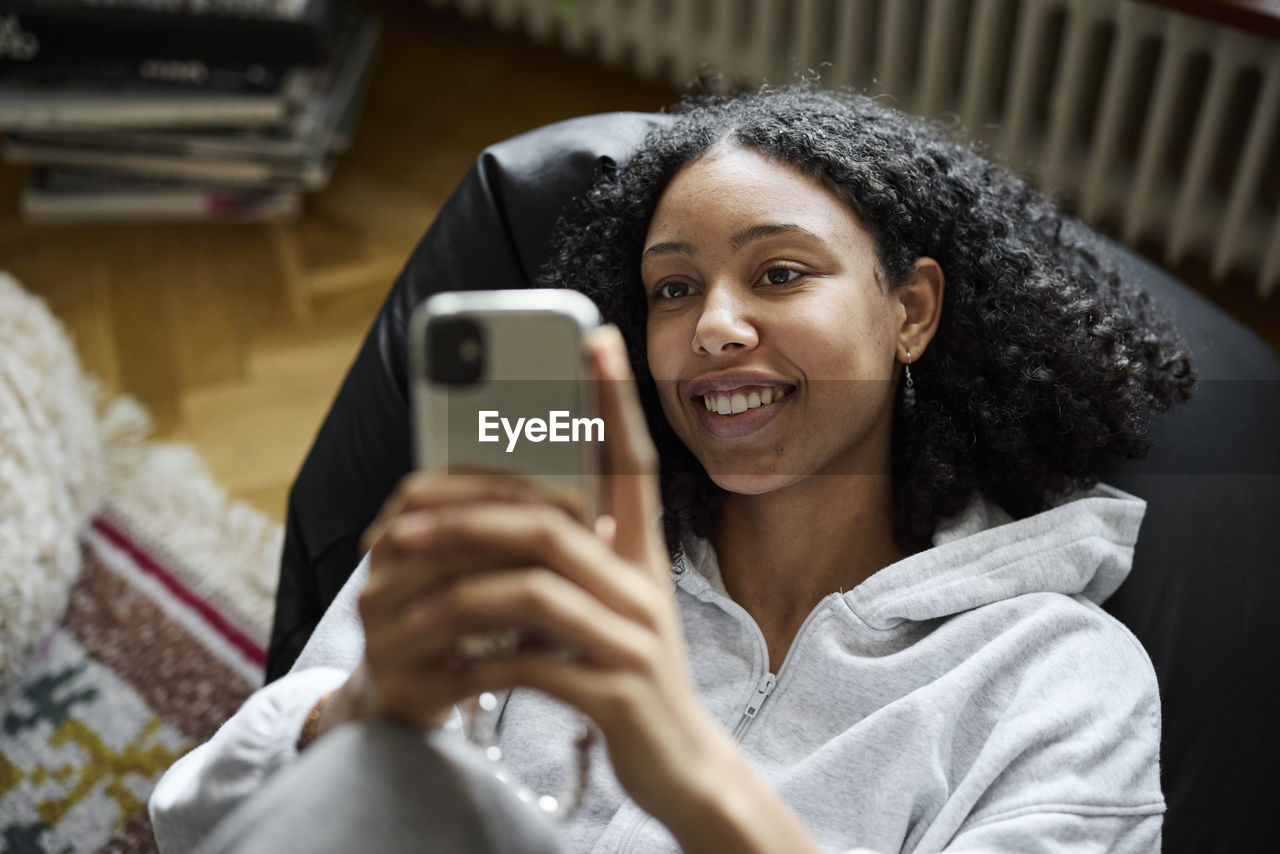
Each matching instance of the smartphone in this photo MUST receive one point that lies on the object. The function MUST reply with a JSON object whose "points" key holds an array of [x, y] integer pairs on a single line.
{"points": [[501, 383]]}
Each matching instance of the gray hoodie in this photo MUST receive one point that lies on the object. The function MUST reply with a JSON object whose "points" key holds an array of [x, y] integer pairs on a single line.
{"points": [[972, 697]]}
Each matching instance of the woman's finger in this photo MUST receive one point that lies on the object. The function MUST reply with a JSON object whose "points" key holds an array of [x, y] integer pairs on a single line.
{"points": [[426, 490], [625, 705], [545, 608], [403, 579], [504, 535], [422, 550], [542, 607], [407, 562], [630, 457], [398, 569]]}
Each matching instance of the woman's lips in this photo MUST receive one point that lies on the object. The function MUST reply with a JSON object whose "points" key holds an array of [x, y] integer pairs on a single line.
{"points": [[734, 401], [739, 412]]}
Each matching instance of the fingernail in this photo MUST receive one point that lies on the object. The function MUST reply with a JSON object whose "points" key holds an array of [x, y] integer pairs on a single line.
{"points": [[615, 348]]}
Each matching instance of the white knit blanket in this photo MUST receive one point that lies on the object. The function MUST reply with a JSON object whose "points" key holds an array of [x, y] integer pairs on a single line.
{"points": [[50, 470], [65, 454]]}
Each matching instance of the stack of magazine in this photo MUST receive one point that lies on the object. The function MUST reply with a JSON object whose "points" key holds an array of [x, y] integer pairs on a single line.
{"points": [[179, 109]]}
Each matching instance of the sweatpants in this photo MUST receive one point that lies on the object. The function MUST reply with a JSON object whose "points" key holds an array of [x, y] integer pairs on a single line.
{"points": [[385, 788]]}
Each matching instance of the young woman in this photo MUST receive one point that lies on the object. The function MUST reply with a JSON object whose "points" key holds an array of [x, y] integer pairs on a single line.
{"points": [[877, 371]]}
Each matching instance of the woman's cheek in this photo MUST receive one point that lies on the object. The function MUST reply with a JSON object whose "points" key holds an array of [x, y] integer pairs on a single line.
{"points": [[662, 351], [670, 403]]}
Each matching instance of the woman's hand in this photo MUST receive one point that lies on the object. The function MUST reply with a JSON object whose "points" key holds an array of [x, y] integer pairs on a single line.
{"points": [[454, 556]]}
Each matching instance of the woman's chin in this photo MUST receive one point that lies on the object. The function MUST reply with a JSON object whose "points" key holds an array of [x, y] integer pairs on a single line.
{"points": [[752, 484]]}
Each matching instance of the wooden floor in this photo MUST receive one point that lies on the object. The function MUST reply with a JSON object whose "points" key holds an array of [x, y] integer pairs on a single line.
{"points": [[236, 336]]}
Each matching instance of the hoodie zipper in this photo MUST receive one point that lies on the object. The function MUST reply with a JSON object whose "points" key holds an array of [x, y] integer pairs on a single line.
{"points": [[766, 683], [763, 689]]}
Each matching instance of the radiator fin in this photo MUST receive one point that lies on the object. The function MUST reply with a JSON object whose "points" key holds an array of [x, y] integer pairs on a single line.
{"points": [[1144, 120]]}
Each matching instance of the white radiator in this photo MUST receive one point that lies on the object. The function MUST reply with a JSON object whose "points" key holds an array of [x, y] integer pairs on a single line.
{"points": [[1148, 123]]}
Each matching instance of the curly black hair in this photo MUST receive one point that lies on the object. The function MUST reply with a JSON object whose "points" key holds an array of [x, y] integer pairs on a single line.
{"points": [[1043, 359]]}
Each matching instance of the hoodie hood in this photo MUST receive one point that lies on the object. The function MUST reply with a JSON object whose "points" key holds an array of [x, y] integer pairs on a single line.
{"points": [[1082, 546]]}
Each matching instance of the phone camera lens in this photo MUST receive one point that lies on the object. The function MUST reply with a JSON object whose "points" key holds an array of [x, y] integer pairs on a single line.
{"points": [[455, 351]]}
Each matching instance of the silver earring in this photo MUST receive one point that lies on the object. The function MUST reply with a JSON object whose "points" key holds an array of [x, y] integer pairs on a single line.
{"points": [[909, 391]]}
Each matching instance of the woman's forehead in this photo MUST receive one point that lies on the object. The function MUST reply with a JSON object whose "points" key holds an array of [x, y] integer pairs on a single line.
{"points": [[748, 190]]}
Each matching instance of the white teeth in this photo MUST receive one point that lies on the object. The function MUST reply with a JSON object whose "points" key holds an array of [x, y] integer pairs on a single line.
{"points": [[732, 404]]}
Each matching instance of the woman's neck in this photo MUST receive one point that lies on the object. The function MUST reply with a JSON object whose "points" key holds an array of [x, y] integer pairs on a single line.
{"points": [[783, 551]]}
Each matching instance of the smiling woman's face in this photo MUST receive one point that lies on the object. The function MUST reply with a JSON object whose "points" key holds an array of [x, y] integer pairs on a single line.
{"points": [[771, 335]]}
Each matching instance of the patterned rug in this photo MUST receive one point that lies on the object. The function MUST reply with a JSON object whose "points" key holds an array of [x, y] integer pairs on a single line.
{"points": [[141, 669], [162, 639]]}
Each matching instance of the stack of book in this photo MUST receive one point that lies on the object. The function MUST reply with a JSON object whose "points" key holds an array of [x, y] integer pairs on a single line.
{"points": [[179, 109]]}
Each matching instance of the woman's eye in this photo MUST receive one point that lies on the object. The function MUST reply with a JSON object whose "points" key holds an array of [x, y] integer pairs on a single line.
{"points": [[780, 276], [672, 290]]}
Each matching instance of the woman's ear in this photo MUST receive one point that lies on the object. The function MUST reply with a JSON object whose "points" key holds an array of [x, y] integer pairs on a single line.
{"points": [[921, 297]]}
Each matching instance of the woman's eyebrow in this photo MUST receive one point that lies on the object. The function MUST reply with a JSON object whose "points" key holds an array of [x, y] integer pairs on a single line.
{"points": [[668, 247], [739, 240], [758, 232]]}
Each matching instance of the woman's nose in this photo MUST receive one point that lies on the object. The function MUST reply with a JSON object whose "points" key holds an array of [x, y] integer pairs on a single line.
{"points": [[724, 324]]}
